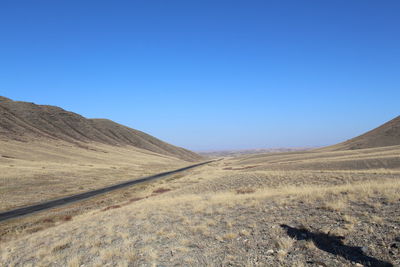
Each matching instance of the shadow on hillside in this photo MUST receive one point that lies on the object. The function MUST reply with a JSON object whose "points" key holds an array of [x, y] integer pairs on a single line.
{"points": [[334, 245]]}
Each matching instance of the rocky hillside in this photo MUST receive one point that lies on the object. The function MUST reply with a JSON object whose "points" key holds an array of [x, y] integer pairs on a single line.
{"points": [[387, 134], [23, 121]]}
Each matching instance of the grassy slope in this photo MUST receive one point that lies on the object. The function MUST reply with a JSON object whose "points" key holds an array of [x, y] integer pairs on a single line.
{"points": [[39, 171], [230, 212], [23, 121], [387, 134]]}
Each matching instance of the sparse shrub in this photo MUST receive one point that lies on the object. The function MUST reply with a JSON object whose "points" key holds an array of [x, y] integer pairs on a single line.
{"points": [[34, 229], [161, 190], [111, 207], [61, 247], [66, 218], [48, 220], [245, 190], [135, 199]]}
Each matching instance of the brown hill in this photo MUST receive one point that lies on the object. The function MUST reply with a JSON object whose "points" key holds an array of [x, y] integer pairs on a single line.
{"points": [[387, 134], [23, 121]]}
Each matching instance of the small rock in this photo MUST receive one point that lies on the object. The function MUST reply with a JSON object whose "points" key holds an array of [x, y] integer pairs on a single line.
{"points": [[359, 265], [365, 250], [270, 251]]}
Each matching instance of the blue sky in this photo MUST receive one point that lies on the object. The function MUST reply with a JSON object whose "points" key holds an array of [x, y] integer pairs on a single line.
{"points": [[209, 75]]}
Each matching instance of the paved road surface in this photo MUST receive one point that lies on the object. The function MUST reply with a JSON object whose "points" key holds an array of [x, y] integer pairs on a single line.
{"points": [[70, 199]]}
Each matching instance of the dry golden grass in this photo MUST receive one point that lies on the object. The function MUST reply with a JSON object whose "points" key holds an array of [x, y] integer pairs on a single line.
{"points": [[37, 172], [218, 216]]}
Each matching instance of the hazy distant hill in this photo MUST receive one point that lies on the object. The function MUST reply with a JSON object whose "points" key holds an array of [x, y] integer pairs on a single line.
{"points": [[23, 121], [387, 134], [235, 153]]}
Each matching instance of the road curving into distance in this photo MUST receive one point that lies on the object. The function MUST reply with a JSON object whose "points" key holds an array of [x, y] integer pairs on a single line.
{"points": [[11, 214]]}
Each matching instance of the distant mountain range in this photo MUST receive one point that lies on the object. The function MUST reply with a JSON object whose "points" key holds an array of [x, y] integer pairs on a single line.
{"points": [[238, 152]]}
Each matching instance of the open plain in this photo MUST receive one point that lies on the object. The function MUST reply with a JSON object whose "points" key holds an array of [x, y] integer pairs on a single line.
{"points": [[312, 208]]}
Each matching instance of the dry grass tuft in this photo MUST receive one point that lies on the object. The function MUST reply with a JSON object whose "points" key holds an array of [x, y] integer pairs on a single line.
{"points": [[230, 236], [335, 205], [284, 243]]}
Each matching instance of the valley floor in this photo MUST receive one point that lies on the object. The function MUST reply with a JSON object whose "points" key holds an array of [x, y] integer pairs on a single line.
{"points": [[36, 172], [313, 208]]}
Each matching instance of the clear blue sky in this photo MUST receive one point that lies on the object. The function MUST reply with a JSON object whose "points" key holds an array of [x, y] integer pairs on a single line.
{"points": [[210, 74]]}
